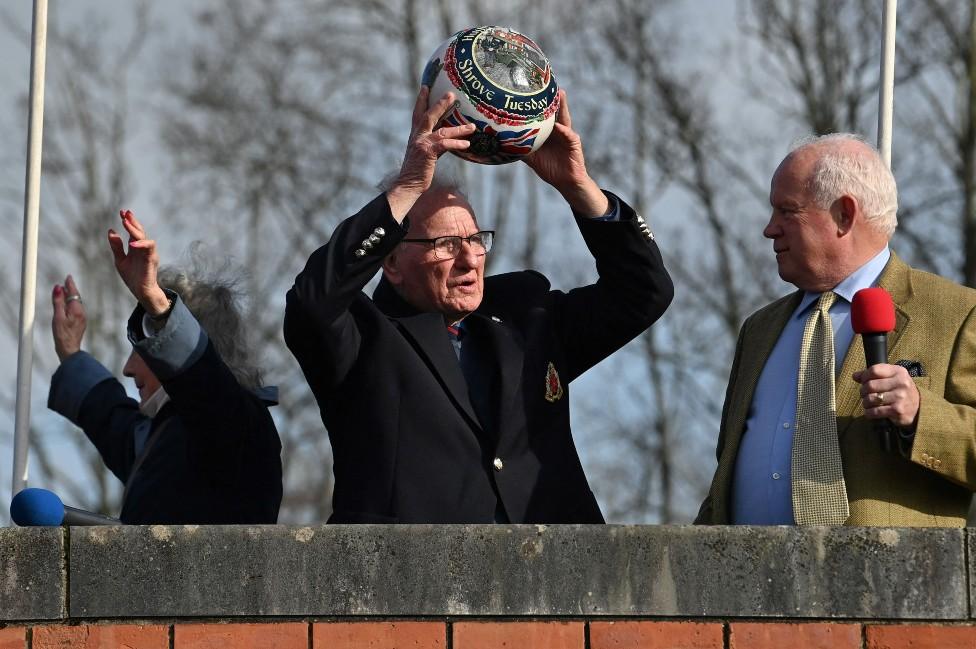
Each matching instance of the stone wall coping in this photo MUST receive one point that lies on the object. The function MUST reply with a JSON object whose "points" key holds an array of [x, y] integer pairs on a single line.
{"points": [[571, 571]]}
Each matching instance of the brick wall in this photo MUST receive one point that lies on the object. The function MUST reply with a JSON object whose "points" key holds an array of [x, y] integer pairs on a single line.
{"points": [[490, 634]]}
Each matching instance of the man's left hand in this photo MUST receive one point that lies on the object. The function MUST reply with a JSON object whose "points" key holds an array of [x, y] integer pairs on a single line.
{"points": [[560, 162], [888, 392]]}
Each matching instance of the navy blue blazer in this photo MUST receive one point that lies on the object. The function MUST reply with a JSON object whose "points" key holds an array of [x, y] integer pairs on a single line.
{"points": [[407, 442]]}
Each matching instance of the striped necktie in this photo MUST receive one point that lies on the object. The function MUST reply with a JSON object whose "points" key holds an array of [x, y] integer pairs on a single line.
{"points": [[819, 492]]}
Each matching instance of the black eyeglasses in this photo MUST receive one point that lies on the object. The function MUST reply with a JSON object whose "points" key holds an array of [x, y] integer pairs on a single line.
{"points": [[450, 247]]}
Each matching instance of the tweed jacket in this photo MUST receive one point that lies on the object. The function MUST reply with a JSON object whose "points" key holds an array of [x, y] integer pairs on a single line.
{"points": [[408, 443], [936, 327]]}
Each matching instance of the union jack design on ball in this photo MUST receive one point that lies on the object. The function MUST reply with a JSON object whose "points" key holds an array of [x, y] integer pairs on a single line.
{"points": [[491, 146], [503, 84]]}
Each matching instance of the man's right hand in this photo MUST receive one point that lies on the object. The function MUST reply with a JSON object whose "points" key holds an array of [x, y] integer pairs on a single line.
{"points": [[424, 147], [69, 321]]}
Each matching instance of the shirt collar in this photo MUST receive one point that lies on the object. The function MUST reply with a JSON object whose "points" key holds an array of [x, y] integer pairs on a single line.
{"points": [[864, 277]]}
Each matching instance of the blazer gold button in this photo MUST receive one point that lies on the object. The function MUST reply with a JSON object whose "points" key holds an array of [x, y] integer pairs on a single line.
{"points": [[379, 232], [499, 465], [360, 253], [367, 245], [938, 463], [373, 238]]}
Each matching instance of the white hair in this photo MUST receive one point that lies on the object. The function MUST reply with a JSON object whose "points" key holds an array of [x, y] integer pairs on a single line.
{"points": [[856, 171]]}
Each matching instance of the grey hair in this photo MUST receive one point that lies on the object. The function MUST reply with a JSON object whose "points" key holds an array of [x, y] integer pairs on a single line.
{"points": [[856, 171], [211, 292]]}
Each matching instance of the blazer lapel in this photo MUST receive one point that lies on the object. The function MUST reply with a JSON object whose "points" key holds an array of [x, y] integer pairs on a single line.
{"points": [[428, 335], [509, 354], [894, 279]]}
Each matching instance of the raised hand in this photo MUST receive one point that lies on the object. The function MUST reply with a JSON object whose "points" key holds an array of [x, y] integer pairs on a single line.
{"points": [[69, 321], [560, 162], [424, 147], [138, 267]]}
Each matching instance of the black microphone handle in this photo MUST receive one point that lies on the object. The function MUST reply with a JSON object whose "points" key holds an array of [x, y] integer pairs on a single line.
{"points": [[73, 516], [875, 348], [875, 352]]}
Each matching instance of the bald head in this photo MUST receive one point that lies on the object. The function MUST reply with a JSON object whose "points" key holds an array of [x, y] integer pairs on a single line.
{"points": [[428, 280], [844, 164]]}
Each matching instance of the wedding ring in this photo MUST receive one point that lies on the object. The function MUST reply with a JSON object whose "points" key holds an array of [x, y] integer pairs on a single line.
{"points": [[880, 396], [73, 297]]}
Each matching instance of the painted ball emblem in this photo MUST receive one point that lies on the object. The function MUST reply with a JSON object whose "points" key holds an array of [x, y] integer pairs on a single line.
{"points": [[504, 86]]}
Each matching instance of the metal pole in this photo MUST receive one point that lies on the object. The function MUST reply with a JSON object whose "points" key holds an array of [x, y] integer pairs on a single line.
{"points": [[886, 99], [28, 269]]}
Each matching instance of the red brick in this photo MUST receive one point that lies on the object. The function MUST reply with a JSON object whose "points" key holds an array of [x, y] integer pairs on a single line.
{"points": [[656, 635], [518, 635], [379, 635], [291, 635], [920, 636], [101, 636], [13, 637], [769, 635]]}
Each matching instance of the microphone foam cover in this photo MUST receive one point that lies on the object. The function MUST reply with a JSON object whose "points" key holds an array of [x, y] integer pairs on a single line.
{"points": [[37, 507], [872, 311]]}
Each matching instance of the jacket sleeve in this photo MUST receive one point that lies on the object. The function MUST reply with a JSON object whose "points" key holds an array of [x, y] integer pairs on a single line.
{"points": [[319, 327], [945, 434], [632, 292], [84, 391], [719, 488], [221, 414]]}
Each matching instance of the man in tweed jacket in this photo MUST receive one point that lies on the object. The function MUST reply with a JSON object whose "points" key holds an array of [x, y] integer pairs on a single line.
{"points": [[833, 212]]}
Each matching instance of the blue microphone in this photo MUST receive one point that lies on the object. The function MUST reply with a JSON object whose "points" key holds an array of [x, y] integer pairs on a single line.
{"points": [[34, 507]]}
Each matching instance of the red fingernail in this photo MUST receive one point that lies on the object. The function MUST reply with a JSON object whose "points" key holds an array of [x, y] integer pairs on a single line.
{"points": [[57, 290]]}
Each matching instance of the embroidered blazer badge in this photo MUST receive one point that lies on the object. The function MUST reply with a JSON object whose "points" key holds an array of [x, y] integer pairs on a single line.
{"points": [[554, 389]]}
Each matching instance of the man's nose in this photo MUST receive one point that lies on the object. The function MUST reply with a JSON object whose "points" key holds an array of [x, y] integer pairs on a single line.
{"points": [[772, 229], [469, 255]]}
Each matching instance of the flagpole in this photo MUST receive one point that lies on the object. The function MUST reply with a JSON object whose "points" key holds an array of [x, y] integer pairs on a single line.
{"points": [[886, 95], [28, 271]]}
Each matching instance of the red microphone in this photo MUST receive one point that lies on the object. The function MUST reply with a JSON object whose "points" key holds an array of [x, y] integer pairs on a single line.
{"points": [[873, 316]]}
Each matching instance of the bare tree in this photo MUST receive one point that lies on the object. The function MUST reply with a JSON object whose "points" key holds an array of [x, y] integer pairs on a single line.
{"points": [[938, 38]]}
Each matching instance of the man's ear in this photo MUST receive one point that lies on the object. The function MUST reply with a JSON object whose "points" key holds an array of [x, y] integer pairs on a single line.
{"points": [[391, 268], [846, 211]]}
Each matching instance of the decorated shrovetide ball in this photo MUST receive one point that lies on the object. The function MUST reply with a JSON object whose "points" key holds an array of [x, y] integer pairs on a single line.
{"points": [[503, 85]]}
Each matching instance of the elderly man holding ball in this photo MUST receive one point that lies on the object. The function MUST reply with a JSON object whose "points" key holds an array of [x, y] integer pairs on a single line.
{"points": [[446, 393]]}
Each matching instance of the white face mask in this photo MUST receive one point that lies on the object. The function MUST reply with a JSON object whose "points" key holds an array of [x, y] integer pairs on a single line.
{"points": [[151, 406]]}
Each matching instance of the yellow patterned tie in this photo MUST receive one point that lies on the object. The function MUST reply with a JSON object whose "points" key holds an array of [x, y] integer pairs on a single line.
{"points": [[819, 492]]}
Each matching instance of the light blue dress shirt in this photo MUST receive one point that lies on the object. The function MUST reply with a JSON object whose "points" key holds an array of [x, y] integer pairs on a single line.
{"points": [[761, 485]]}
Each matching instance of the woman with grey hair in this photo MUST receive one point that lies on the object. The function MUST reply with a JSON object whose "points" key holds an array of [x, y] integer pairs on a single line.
{"points": [[200, 446]]}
